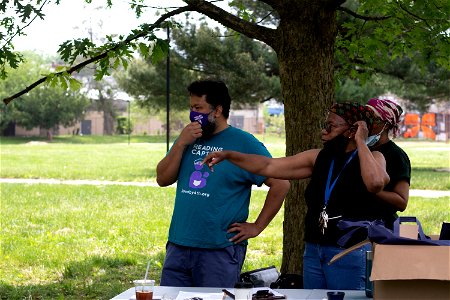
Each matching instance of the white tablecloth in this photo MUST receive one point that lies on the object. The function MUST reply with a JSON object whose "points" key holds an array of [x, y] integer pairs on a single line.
{"points": [[172, 292]]}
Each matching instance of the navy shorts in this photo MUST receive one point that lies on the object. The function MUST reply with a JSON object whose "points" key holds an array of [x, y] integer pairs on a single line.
{"points": [[199, 267]]}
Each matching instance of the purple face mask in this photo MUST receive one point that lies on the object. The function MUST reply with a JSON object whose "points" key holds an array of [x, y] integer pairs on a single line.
{"points": [[199, 117]]}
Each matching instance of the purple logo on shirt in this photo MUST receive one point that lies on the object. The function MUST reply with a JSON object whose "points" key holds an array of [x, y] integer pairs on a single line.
{"points": [[198, 178]]}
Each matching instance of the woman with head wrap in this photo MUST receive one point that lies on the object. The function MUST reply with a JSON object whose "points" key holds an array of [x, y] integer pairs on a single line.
{"points": [[344, 175], [387, 120]]}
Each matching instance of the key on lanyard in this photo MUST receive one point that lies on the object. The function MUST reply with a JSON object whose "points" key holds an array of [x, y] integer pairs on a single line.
{"points": [[323, 220]]}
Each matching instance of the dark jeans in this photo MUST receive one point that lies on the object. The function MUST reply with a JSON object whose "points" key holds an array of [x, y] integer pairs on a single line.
{"points": [[347, 273], [186, 266]]}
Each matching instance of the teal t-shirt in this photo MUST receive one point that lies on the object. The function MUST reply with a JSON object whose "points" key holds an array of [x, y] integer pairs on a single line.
{"points": [[207, 203]]}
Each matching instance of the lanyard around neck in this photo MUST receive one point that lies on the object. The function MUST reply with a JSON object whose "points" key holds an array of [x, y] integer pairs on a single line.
{"points": [[329, 188]]}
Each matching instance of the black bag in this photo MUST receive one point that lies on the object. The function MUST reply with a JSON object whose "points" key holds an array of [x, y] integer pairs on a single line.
{"points": [[445, 231], [378, 233], [288, 281], [261, 277], [266, 295]]}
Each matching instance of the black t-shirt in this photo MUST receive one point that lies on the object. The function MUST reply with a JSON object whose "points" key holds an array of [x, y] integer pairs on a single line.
{"points": [[348, 199], [398, 165]]}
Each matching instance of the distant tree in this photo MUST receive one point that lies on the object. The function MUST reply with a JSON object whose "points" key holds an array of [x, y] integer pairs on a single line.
{"points": [[248, 67], [104, 92], [354, 90], [102, 95], [124, 126], [45, 107], [274, 124], [421, 86]]}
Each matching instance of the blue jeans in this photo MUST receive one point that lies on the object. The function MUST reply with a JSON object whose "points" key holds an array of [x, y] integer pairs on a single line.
{"points": [[187, 266], [347, 273]]}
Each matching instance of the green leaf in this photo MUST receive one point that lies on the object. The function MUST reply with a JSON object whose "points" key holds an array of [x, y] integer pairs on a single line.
{"points": [[60, 68], [53, 81], [144, 49], [116, 63], [74, 84], [125, 63], [159, 51], [63, 82], [98, 75], [49, 77]]}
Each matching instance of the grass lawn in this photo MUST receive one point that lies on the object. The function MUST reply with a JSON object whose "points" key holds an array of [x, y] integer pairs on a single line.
{"points": [[90, 242], [111, 158]]}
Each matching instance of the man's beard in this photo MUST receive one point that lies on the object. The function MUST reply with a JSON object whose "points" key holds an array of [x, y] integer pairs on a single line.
{"points": [[208, 130], [337, 144]]}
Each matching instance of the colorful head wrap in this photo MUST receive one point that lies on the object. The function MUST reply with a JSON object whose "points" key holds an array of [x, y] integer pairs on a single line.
{"points": [[352, 112], [387, 111]]}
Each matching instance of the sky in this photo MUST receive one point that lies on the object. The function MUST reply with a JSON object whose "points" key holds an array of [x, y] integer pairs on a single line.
{"points": [[72, 19]]}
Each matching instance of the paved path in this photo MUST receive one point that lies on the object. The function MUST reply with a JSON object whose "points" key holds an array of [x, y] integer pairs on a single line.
{"points": [[416, 193]]}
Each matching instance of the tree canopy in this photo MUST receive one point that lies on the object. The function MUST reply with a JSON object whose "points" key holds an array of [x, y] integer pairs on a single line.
{"points": [[308, 37], [247, 66], [46, 106]]}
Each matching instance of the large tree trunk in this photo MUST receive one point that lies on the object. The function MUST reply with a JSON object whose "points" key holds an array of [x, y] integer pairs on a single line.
{"points": [[105, 104], [49, 135], [305, 54], [108, 122]]}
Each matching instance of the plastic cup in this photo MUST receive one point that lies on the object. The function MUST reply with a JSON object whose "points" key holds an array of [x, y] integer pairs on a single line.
{"points": [[243, 291], [144, 289], [335, 295]]}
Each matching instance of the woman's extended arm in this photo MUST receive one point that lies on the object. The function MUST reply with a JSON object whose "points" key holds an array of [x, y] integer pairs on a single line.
{"points": [[298, 166]]}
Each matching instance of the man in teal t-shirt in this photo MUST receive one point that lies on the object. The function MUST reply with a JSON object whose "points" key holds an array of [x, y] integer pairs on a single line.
{"points": [[208, 232]]}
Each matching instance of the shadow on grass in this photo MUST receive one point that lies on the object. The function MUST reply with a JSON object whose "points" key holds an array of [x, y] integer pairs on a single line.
{"points": [[88, 139], [430, 178], [94, 278]]}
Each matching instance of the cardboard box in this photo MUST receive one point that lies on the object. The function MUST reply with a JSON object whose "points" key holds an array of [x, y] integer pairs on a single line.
{"points": [[408, 271], [409, 230], [411, 272]]}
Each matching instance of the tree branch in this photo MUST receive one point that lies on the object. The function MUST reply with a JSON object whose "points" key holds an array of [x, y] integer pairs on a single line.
{"points": [[19, 30], [149, 6], [103, 54], [358, 16], [231, 21], [273, 3], [266, 99], [414, 15]]}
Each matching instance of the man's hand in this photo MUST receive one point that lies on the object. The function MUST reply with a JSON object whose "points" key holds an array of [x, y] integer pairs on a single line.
{"points": [[244, 231], [190, 133]]}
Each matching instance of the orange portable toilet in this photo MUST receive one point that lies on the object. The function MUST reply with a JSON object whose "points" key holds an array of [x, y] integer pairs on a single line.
{"points": [[412, 125], [428, 125]]}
